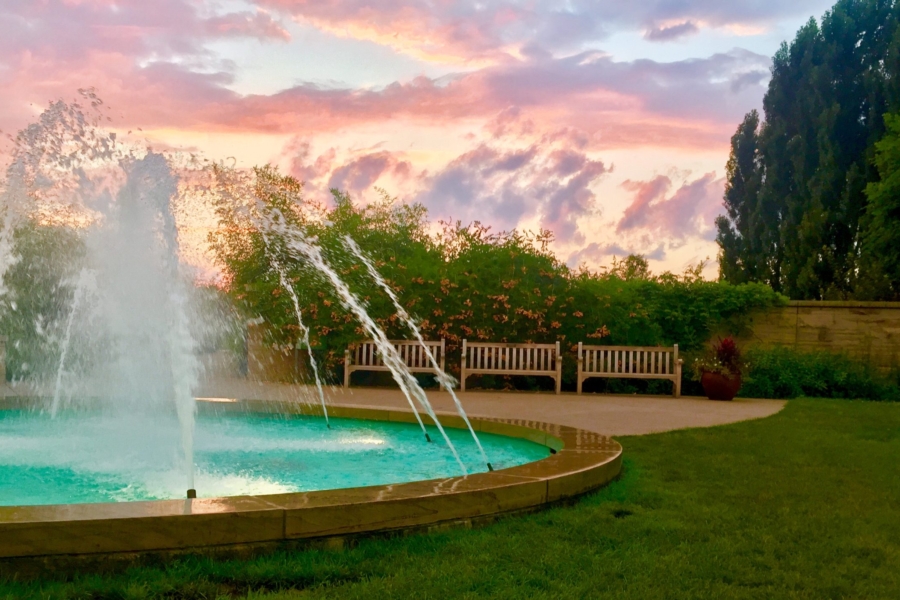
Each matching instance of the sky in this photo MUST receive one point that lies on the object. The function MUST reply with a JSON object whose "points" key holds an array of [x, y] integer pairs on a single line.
{"points": [[606, 122]]}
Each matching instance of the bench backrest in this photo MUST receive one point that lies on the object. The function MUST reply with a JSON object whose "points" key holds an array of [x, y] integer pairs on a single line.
{"points": [[527, 358], [411, 352], [656, 360]]}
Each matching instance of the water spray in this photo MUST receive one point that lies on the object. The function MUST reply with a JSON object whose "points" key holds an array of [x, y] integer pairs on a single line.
{"points": [[304, 330], [392, 360], [443, 378], [80, 285]]}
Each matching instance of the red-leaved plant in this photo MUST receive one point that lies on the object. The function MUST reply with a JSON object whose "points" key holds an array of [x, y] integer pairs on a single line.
{"points": [[724, 357]]}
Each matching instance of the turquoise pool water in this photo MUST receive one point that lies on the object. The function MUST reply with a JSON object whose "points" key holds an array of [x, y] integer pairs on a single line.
{"points": [[92, 457]]}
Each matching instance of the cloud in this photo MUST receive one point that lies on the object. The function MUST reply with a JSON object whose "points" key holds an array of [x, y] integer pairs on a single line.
{"points": [[688, 103], [148, 59], [690, 211], [259, 25], [509, 186], [68, 31], [300, 151], [748, 79], [601, 254], [360, 174], [671, 32], [471, 31], [511, 181], [151, 63]]}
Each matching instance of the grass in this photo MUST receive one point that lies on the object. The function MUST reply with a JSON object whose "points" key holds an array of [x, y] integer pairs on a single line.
{"points": [[804, 504]]}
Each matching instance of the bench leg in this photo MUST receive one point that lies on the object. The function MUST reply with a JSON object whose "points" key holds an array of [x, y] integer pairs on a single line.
{"points": [[558, 370], [678, 379], [579, 383], [346, 369]]}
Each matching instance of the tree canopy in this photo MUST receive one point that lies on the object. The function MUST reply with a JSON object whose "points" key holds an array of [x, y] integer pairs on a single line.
{"points": [[880, 252], [798, 183], [458, 281]]}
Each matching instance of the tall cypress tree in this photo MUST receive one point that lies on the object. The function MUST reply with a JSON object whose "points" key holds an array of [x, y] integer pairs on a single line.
{"points": [[740, 256], [823, 115], [880, 255]]}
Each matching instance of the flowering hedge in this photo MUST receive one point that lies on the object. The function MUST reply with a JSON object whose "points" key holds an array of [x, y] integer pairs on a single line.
{"points": [[464, 281]]}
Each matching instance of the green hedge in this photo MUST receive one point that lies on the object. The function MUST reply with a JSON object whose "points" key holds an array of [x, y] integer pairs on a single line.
{"points": [[464, 281], [786, 373]]}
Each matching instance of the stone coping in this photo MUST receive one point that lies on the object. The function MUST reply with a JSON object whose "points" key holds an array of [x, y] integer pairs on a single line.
{"points": [[579, 461], [841, 304]]}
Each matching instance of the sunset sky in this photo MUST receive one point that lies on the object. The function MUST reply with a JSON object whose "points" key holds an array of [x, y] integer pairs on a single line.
{"points": [[607, 122]]}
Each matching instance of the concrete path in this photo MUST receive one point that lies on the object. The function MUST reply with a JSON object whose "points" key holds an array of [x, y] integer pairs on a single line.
{"points": [[609, 415]]}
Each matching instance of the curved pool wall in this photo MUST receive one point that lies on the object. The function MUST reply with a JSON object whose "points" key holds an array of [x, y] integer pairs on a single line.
{"points": [[55, 538]]}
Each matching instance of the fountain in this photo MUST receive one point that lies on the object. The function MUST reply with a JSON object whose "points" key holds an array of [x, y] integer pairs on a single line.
{"points": [[133, 282], [111, 415]]}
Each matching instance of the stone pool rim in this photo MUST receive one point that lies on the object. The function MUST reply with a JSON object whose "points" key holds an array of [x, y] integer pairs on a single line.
{"points": [[578, 462]]}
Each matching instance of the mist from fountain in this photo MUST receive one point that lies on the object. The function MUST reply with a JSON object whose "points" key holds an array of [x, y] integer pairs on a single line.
{"points": [[77, 298], [130, 328], [128, 337]]}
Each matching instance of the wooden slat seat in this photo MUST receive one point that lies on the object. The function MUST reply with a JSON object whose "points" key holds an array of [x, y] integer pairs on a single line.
{"points": [[498, 358], [630, 362], [365, 357]]}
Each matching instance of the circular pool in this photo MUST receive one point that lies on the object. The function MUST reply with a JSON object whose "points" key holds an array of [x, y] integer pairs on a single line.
{"points": [[54, 538], [97, 457]]}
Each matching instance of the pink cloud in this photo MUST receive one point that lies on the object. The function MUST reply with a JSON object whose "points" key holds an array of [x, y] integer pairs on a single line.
{"points": [[148, 61], [301, 165], [508, 181], [671, 32], [360, 174], [597, 253], [508, 186], [473, 31], [259, 25], [690, 211], [69, 31]]}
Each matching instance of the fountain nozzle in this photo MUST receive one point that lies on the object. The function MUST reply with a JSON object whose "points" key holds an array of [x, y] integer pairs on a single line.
{"points": [[490, 467], [192, 493], [427, 438]]}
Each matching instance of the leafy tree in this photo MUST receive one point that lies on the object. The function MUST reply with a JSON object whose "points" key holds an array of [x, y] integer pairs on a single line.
{"points": [[742, 256], [794, 212], [881, 239], [38, 290], [633, 266], [464, 282]]}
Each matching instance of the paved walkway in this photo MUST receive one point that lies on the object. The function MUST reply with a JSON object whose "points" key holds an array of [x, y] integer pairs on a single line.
{"points": [[609, 415]]}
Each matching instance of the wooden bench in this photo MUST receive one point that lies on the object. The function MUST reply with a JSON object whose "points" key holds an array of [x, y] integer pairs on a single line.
{"points": [[632, 362], [365, 357], [493, 358]]}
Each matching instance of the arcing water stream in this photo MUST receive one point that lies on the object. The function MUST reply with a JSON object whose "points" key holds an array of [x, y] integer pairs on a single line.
{"points": [[443, 378], [303, 248], [304, 332]]}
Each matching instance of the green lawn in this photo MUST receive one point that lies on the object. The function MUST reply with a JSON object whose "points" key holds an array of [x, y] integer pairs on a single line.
{"points": [[805, 504]]}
